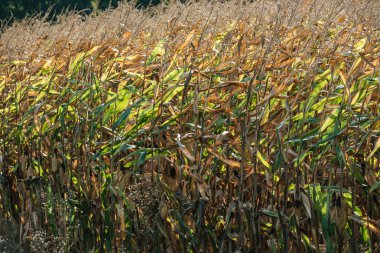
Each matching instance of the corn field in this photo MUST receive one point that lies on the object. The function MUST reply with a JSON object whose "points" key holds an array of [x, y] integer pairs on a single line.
{"points": [[213, 133]]}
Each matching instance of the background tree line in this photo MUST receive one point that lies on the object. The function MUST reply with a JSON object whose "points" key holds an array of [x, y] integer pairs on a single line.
{"points": [[18, 9]]}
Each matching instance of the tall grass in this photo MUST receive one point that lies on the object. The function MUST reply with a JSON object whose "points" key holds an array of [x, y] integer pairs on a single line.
{"points": [[236, 127]]}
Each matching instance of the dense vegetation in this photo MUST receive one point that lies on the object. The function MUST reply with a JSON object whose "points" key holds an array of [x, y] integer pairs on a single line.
{"points": [[191, 131], [22, 8]]}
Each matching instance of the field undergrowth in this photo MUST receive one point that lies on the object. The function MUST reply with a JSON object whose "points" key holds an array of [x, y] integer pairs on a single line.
{"points": [[208, 127]]}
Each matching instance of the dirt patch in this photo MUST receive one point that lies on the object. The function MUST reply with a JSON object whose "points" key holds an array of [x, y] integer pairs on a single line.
{"points": [[37, 242], [8, 236], [145, 195]]}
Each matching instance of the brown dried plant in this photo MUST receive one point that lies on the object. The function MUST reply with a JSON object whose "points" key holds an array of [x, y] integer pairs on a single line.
{"points": [[238, 126]]}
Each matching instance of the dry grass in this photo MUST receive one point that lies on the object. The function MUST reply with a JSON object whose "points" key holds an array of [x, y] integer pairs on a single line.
{"points": [[238, 126], [36, 35]]}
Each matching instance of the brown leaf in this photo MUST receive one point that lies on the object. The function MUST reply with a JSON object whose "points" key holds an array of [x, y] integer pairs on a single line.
{"points": [[232, 163]]}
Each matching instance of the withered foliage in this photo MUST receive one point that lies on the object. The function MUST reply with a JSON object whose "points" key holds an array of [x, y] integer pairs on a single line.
{"points": [[210, 130]]}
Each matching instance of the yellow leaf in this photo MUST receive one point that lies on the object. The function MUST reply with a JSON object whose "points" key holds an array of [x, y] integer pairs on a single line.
{"points": [[330, 119], [360, 44], [262, 160], [377, 146]]}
